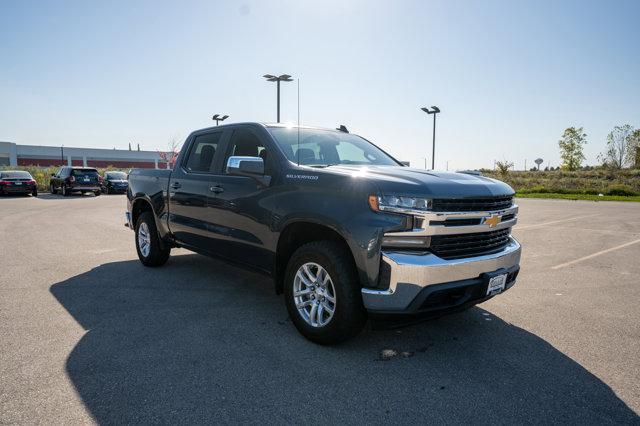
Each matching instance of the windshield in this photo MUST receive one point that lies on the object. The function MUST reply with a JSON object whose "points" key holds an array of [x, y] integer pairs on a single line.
{"points": [[322, 148], [15, 175], [116, 176]]}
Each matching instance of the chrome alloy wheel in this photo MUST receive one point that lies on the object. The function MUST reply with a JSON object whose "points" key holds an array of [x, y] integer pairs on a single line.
{"points": [[144, 239], [314, 294]]}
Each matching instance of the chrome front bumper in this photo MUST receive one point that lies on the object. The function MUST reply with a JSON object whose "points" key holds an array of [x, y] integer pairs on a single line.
{"points": [[412, 273]]}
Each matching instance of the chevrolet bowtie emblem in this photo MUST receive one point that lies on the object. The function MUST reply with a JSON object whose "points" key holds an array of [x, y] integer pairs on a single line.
{"points": [[492, 220]]}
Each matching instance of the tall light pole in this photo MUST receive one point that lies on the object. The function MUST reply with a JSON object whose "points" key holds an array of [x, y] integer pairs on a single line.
{"points": [[434, 110], [62, 154], [278, 79], [218, 117]]}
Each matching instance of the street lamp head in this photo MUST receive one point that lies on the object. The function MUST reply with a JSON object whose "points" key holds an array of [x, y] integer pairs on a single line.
{"points": [[434, 110], [283, 77], [219, 117]]}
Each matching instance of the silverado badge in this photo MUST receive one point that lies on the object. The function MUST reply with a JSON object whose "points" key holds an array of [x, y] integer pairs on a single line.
{"points": [[492, 220]]}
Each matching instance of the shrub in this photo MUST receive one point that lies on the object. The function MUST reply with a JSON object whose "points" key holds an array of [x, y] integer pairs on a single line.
{"points": [[620, 189], [503, 167]]}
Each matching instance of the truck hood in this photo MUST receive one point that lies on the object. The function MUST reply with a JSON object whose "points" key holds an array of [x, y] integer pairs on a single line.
{"points": [[426, 183]]}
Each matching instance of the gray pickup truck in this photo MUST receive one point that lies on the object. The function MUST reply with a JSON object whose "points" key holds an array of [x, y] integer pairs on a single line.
{"points": [[346, 231]]}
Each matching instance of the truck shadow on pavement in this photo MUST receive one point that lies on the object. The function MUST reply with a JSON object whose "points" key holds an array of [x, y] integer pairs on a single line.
{"points": [[200, 341]]}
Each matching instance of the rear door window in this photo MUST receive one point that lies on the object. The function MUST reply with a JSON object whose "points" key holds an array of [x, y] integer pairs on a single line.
{"points": [[202, 153]]}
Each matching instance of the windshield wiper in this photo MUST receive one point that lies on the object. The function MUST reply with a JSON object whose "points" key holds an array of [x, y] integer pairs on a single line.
{"points": [[320, 166]]}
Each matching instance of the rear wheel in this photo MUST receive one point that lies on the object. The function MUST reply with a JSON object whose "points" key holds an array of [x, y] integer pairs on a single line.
{"points": [[148, 246], [34, 192], [96, 193], [322, 293]]}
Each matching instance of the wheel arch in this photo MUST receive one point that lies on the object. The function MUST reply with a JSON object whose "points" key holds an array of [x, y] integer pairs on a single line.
{"points": [[295, 235], [139, 206]]}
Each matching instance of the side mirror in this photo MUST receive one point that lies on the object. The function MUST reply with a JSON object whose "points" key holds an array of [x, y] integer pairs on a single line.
{"points": [[245, 166], [252, 167]]}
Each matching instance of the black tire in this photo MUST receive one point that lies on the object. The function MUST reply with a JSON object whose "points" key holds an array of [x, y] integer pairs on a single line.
{"points": [[349, 316], [52, 189], [34, 192], [64, 191], [108, 190], [96, 193], [157, 255]]}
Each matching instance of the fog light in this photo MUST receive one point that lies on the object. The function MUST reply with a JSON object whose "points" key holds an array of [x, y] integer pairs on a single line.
{"points": [[406, 242]]}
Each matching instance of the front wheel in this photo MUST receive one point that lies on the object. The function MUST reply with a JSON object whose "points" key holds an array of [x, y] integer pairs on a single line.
{"points": [[322, 293], [52, 189], [150, 251]]}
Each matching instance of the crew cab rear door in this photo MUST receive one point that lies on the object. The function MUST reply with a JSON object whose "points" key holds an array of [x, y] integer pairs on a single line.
{"points": [[190, 189]]}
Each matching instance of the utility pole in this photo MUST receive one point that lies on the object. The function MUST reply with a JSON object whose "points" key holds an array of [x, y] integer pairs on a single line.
{"points": [[434, 110]]}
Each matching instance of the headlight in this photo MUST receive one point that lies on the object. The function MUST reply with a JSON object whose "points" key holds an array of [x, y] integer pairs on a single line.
{"points": [[399, 204]]}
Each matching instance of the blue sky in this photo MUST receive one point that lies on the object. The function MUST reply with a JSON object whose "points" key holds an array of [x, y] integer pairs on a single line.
{"points": [[509, 76]]}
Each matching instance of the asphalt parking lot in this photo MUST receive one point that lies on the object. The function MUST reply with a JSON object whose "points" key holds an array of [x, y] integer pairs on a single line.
{"points": [[90, 335]]}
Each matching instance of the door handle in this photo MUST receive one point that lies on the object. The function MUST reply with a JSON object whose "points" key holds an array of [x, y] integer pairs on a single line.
{"points": [[216, 189], [176, 185]]}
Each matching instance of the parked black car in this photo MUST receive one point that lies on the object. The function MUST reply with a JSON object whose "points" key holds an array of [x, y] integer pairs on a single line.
{"points": [[115, 182], [75, 179], [17, 182]]}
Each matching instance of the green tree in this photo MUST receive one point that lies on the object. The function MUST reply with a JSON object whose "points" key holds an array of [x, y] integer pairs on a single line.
{"points": [[635, 144], [621, 147], [571, 146]]}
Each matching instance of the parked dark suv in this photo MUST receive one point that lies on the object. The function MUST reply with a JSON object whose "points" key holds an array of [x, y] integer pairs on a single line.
{"points": [[115, 182], [17, 182], [75, 179]]}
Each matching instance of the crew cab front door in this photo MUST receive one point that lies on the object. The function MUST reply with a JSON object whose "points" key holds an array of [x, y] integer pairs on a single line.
{"points": [[239, 206], [190, 190]]}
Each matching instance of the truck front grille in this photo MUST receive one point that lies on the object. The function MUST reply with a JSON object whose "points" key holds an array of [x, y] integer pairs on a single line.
{"points": [[468, 245], [472, 204]]}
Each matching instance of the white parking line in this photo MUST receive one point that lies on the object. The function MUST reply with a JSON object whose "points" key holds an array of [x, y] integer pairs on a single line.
{"points": [[520, 228], [562, 265]]}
